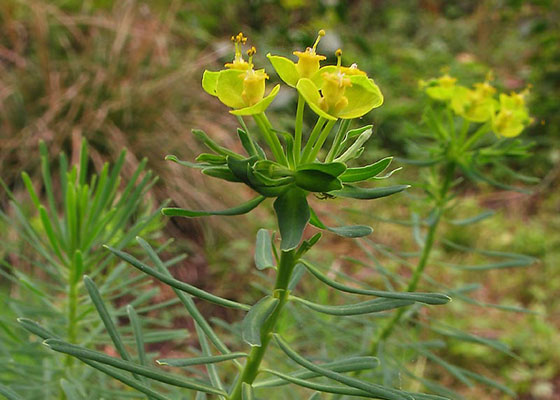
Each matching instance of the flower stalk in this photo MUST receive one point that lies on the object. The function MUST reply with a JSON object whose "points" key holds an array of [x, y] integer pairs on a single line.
{"points": [[286, 266]]}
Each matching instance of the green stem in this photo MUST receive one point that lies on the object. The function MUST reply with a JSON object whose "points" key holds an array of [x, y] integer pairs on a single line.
{"points": [[464, 131], [313, 138], [271, 138], [250, 371], [483, 130], [299, 128], [320, 141], [71, 332], [342, 129], [424, 257], [244, 126]]}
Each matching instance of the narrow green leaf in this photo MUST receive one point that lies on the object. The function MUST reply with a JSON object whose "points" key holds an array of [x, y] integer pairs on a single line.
{"points": [[255, 318], [366, 307], [352, 231], [125, 379], [247, 392], [138, 336], [489, 382], [29, 186], [185, 287], [187, 362], [36, 329], [350, 364], [427, 298], [293, 214], [374, 389], [106, 318], [70, 390], [263, 250], [367, 172], [47, 226], [9, 393], [171, 379], [297, 274], [185, 299], [171, 157], [212, 159], [473, 220], [83, 162], [241, 209], [321, 387], [315, 396], [223, 173], [355, 192], [204, 138]]}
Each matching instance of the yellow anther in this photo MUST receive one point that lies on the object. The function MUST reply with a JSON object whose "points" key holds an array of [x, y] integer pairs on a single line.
{"points": [[252, 51], [319, 36], [338, 55], [238, 62]]}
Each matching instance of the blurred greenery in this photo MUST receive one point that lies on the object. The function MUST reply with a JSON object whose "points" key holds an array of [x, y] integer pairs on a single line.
{"points": [[127, 74]]}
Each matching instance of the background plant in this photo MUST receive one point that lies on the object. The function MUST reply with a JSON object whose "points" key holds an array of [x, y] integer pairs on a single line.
{"points": [[59, 241]]}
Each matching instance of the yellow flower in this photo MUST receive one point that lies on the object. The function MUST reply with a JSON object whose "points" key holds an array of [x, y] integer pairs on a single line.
{"points": [[238, 62], [307, 66], [513, 115], [442, 88], [339, 94], [476, 105], [240, 86]]}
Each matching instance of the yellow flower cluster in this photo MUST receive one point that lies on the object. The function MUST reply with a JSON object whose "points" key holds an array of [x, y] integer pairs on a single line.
{"points": [[508, 116]]}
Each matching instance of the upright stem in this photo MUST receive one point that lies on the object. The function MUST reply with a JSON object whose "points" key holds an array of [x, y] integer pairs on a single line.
{"points": [[313, 137], [71, 332], [271, 138], [483, 130], [333, 152], [299, 128], [424, 257], [320, 141], [280, 291]]}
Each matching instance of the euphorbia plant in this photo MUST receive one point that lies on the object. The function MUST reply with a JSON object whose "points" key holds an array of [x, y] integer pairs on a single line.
{"points": [[287, 170], [468, 133]]}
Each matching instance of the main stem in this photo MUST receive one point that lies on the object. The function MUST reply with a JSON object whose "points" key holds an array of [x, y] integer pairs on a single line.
{"points": [[280, 291], [424, 257]]}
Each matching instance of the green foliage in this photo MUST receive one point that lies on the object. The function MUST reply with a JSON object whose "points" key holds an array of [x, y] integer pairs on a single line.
{"points": [[81, 212]]}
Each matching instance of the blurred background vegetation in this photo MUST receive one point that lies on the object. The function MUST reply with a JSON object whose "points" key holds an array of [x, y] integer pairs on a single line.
{"points": [[127, 74]]}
